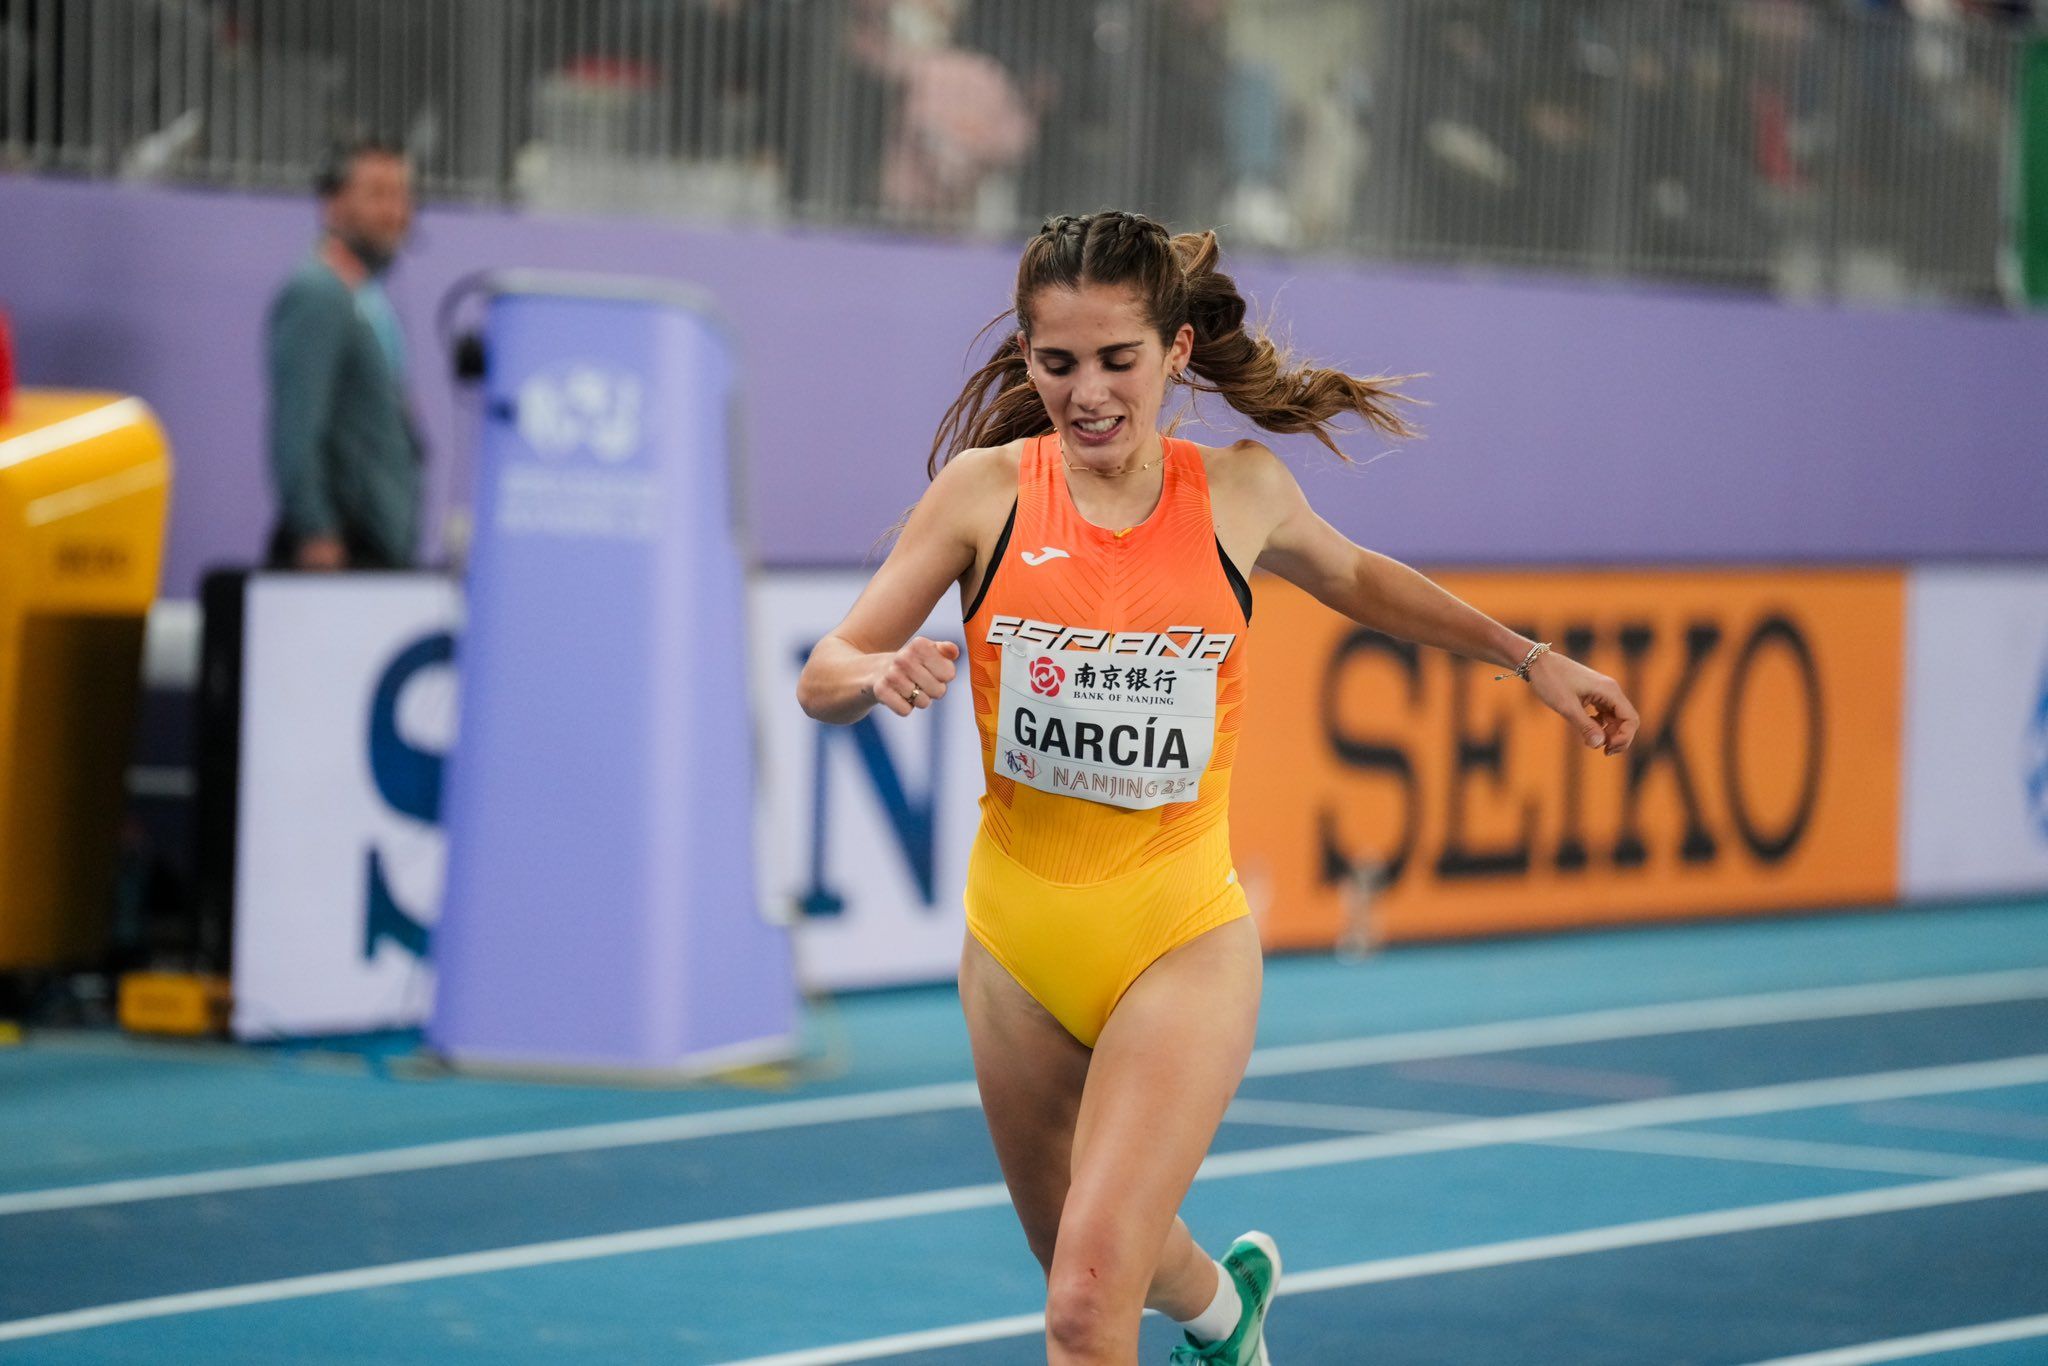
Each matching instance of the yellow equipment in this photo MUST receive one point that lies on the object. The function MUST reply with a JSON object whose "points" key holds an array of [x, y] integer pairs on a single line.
{"points": [[84, 486], [186, 1003]]}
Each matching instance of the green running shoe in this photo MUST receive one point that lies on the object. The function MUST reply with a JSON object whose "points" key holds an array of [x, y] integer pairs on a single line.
{"points": [[1254, 1264]]}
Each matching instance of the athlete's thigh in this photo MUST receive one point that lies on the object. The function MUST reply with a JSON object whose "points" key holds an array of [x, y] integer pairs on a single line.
{"points": [[1031, 1072], [1164, 1071]]}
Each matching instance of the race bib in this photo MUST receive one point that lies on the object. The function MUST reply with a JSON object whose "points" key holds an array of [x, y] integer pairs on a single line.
{"points": [[1125, 730]]}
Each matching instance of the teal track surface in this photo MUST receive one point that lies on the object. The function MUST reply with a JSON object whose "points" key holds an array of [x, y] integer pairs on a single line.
{"points": [[1818, 1139]]}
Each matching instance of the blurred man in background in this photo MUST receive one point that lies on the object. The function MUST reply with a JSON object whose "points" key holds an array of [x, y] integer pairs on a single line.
{"points": [[344, 455]]}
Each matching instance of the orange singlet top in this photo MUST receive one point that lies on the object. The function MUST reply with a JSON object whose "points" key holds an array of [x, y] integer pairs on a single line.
{"points": [[1108, 674]]}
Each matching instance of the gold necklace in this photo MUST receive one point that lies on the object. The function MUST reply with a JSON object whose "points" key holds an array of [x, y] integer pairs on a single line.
{"points": [[1109, 474]]}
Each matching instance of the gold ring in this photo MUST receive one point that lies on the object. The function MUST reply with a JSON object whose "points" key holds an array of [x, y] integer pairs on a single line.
{"points": [[916, 691]]}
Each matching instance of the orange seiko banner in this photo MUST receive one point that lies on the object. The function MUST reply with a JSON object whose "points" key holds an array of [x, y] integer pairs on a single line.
{"points": [[1384, 791]]}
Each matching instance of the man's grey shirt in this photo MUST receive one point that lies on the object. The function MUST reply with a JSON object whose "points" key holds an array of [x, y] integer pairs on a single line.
{"points": [[343, 453]]}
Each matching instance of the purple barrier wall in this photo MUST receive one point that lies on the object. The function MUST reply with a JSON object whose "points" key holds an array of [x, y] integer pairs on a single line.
{"points": [[1568, 423]]}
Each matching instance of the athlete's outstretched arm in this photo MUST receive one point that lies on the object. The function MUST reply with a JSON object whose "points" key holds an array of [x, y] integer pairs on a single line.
{"points": [[872, 656], [1386, 595]]}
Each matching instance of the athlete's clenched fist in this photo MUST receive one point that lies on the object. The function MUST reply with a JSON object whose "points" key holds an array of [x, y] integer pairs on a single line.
{"points": [[915, 676]]}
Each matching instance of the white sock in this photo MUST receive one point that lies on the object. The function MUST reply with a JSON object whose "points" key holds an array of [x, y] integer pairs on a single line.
{"points": [[1219, 1320]]}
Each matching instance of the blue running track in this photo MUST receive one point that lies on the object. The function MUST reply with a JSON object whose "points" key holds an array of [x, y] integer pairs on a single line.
{"points": [[1821, 1141]]}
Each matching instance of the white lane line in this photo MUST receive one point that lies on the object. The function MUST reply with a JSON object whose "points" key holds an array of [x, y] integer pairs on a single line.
{"points": [[1959, 1119], [502, 1147], [1923, 1344], [1639, 1114], [1650, 1232], [1783, 1152], [1612, 1238], [1679, 1017], [1291, 1157], [804, 1220], [1733, 1012], [1792, 1152]]}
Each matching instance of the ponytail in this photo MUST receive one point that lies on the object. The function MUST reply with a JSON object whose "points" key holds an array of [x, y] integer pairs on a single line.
{"points": [[1258, 378]]}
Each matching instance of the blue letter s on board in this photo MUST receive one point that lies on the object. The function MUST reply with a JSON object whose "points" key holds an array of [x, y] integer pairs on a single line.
{"points": [[409, 779]]}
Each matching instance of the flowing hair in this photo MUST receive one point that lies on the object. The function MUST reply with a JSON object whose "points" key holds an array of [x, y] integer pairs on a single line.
{"points": [[1177, 282]]}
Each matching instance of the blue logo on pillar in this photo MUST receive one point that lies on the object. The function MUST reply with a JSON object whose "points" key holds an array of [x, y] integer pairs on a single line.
{"points": [[409, 780], [2037, 758], [912, 817]]}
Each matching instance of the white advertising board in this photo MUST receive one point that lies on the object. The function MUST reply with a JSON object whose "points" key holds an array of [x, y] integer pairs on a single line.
{"points": [[1976, 753], [348, 704], [866, 827]]}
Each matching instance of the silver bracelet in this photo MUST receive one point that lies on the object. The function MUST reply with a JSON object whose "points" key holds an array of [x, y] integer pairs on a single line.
{"points": [[1522, 669]]}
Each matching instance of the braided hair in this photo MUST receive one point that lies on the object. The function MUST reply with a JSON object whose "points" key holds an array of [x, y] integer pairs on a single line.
{"points": [[1177, 282]]}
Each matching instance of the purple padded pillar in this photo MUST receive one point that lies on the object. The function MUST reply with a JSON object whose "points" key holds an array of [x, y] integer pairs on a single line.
{"points": [[600, 908]]}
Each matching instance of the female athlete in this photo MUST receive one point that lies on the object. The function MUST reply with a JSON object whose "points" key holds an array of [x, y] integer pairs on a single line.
{"points": [[1111, 974]]}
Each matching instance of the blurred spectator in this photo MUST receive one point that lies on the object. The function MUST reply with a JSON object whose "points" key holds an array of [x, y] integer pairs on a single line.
{"points": [[1048, 48], [961, 127], [344, 455], [1336, 140]]}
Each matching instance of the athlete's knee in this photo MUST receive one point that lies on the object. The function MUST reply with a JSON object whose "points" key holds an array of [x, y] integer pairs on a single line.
{"points": [[1095, 1287], [1084, 1307]]}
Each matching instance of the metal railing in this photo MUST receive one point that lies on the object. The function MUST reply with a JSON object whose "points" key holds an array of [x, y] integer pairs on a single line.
{"points": [[1767, 143]]}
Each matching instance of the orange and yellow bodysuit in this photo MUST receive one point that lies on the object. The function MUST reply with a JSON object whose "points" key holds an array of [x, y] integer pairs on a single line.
{"points": [[1108, 672]]}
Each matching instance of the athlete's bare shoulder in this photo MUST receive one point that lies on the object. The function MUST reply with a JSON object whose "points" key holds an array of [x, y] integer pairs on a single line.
{"points": [[1248, 474], [1238, 455], [978, 482], [969, 500], [986, 464]]}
